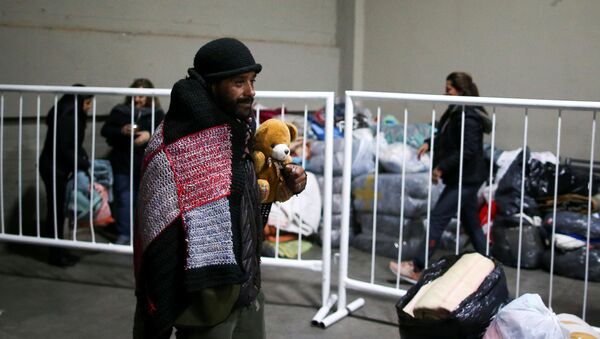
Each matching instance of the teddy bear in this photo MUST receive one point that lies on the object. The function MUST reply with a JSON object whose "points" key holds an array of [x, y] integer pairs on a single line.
{"points": [[271, 153]]}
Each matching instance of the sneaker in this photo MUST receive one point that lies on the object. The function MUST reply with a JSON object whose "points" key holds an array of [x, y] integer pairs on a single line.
{"points": [[407, 271]]}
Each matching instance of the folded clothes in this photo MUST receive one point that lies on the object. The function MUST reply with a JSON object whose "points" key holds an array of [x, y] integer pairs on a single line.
{"points": [[444, 294]]}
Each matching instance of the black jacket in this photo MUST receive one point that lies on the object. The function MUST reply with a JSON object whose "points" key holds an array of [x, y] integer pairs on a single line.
{"points": [[447, 145], [119, 117], [65, 139]]}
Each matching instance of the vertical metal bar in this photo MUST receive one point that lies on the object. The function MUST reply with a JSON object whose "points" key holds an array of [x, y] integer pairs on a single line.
{"points": [[20, 150], [54, 208], [327, 199], [257, 117], [75, 148], [402, 192], [522, 198], [37, 167], [153, 116], [346, 191], [304, 136], [589, 223], [491, 183], [305, 119], [375, 195], [431, 155], [553, 237], [460, 175], [92, 188], [131, 150], [2, 159], [277, 226]]}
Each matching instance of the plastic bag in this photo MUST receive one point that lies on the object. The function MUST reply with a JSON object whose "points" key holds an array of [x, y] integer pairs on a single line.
{"points": [[572, 263], [363, 156], [392, 156], [472, 316], [540, 180], [505, 243], [387, 236], [525, 317], [301, 213], [390, 192], [508, 193], [573, 224]]}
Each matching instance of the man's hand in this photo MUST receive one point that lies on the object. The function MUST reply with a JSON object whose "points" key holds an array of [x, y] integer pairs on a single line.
{"points": [[422, 150], [436, 175], [295, 178]]}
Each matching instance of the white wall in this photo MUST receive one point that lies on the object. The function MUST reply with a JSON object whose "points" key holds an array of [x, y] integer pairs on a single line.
{"points": [[111, 42], [545, 49]]}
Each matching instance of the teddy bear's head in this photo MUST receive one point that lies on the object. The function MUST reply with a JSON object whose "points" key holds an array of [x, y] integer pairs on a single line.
{"points": [[273, 138]]}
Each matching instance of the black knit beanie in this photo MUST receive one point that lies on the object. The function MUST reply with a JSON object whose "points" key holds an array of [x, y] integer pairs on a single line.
{"points": [[223, 58]]}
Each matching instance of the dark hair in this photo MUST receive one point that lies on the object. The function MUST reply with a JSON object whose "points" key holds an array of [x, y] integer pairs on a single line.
{"points": [[143, 83], [66, 103], [463, 83], [69, 98]]}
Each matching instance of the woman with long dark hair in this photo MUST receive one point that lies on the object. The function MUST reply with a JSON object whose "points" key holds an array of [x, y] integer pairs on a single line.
{"points": [[68, 109], [446, 164], [118, 132]]}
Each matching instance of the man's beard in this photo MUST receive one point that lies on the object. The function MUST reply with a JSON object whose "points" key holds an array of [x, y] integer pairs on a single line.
{"points": [[232, 107]]}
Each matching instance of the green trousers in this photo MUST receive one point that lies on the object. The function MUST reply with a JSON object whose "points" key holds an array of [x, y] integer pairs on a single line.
{"points": [[247, 323]]}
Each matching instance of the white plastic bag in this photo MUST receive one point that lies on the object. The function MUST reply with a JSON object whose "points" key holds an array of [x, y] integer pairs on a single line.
{"points": [[525, 317], [302, 212]]}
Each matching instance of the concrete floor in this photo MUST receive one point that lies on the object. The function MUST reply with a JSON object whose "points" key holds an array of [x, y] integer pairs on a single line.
{"points": [[94, 299]]}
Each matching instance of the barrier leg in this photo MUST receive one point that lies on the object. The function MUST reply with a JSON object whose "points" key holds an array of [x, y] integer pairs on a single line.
{"points": [[339, 314]]}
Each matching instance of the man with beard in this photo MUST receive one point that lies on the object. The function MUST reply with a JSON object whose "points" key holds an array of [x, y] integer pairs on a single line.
{"points": [[197, 242]]}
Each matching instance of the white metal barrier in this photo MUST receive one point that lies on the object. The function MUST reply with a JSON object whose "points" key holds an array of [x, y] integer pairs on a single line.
{"points": [[325, 99], [345, 282]]}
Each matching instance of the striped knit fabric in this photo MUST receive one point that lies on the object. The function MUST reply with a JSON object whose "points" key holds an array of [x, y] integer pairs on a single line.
{"points": [[190, 178]]}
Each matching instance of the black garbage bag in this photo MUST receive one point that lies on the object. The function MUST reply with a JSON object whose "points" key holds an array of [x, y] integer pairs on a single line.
{"points": [[572, 263], [508, 193], [573, 224], [505, 242], [387, 245], [469, 320], [540, 179]]}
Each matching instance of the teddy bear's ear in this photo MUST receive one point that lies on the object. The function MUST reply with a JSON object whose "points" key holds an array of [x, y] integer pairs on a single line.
{"points": [[293, 131]]}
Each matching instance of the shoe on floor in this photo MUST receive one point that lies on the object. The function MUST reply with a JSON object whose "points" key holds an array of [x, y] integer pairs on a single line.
{"points": [[61, 258], [407, 271], [122, 240]]}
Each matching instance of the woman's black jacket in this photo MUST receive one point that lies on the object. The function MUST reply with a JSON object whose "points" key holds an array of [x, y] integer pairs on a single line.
{"points": [[446, 151], [65, 139]]}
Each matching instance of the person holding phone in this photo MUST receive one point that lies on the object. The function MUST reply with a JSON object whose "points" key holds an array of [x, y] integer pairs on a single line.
{"points": [[119, 133]]}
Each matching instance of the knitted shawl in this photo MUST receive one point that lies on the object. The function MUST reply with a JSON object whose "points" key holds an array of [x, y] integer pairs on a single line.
{"points": [[194, 177]]}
